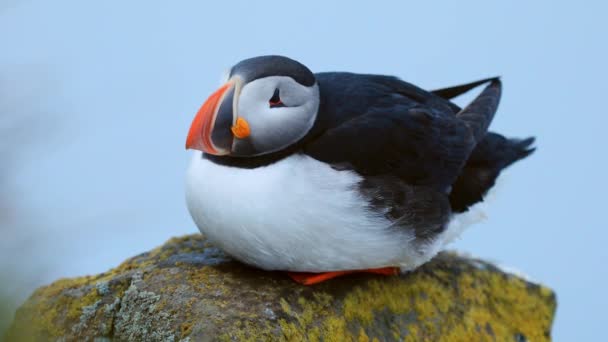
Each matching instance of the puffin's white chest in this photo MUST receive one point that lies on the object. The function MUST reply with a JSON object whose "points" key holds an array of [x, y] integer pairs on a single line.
{"points": [[297, 214]]}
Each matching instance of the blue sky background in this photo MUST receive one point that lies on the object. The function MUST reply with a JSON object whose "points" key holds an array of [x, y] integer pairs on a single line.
{"points": [[107, 91]]}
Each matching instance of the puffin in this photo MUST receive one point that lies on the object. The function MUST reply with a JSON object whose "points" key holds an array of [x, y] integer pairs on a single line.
{"points": [[332, 173]]}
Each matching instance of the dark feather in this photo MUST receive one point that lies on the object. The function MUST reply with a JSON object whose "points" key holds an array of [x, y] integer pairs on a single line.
{"points": [[419, 208], [452, 92], [493, 154], [479, 113]]}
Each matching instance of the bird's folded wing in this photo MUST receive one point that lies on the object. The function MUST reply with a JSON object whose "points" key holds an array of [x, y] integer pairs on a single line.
{"points": [[415, 144]]}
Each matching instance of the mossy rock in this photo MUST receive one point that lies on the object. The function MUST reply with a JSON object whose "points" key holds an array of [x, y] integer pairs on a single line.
{"points": [[188, 290]]}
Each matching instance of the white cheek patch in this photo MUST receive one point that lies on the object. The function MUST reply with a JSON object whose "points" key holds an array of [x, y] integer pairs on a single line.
{"points": [[273, 129], [295, 95]]}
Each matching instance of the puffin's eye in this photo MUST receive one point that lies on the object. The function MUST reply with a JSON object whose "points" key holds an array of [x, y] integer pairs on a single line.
{"points": [[275, 100]]}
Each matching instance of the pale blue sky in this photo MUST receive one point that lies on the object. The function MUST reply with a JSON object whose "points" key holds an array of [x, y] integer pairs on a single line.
{"points": [[112, 87]]}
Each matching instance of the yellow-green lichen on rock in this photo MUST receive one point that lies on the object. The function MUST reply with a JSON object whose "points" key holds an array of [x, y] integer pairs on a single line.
{"points": [[188, 290]]}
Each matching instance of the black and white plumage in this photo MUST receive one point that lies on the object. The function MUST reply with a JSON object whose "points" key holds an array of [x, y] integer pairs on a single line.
{"points": [[339, 171]]}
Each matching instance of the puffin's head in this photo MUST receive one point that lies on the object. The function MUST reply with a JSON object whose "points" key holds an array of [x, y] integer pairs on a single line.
{"points": [[268, 104]]}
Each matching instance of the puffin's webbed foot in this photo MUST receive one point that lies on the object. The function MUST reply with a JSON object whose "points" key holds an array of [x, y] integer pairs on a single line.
{"points": [[315, 278]]}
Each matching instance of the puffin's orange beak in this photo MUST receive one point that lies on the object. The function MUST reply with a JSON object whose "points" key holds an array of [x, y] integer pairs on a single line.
{"points": [[210, 131]]}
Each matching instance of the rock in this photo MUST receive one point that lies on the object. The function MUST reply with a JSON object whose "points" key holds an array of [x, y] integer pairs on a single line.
{"points": [[188, 290]]}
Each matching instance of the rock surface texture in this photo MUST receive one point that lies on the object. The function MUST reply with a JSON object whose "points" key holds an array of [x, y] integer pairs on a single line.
{"points": [[188, 290]]}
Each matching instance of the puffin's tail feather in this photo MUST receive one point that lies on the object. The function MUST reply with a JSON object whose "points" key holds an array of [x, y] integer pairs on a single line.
{"points": [[479, 113], [493, 154], [452, 92]]}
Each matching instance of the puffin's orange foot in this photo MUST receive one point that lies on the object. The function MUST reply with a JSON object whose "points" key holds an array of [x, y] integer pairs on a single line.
{"points": [[315, 278]]}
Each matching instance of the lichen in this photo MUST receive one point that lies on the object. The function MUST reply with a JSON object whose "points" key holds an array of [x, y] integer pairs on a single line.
{"points": [[476, 305], [138, 313], [87, 313], [187, 290]]}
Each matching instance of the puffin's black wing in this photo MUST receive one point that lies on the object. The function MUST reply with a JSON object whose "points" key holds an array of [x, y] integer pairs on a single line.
{"points": [[452, 92], [409, 138]]}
